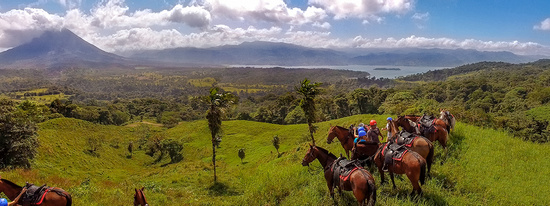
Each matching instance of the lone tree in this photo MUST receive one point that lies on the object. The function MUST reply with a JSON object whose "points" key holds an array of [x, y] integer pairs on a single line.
{"points": [[241, 154], [275, 142], [218, 103], [309, 91], [18, 139]]}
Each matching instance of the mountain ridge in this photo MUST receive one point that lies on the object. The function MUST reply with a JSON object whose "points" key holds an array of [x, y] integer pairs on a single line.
{"points": [[63, 49]]}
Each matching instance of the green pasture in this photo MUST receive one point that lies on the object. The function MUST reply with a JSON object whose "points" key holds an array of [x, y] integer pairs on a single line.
{"points": [[480, 167]]}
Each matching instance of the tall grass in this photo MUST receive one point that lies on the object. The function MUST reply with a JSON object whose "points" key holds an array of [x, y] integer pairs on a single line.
{"points": [[480, 167]]}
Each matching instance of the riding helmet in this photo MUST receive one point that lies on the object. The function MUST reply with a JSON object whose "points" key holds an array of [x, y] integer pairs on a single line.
{"points": [[389, 119], [361, 128], [362, 133], [372, 122], [3, 202]]}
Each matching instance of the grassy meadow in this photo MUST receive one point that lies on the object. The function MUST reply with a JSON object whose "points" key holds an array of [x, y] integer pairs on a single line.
{"points": [[480, 167]]}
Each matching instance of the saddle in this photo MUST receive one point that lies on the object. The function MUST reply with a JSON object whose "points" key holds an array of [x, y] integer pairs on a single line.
{"points": [[405, 138], [341, 170], [426, 121], [34, 195], [395, 151]]}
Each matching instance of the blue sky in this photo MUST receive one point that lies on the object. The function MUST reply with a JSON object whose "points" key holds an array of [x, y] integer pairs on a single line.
{"points": [[522, 27]]}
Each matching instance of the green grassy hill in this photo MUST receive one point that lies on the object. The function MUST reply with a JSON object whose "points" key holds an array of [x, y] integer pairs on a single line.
{"points": [[481, 167]]}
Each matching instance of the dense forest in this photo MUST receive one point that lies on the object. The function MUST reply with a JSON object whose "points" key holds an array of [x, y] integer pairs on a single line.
{"points": [[512, 97]]}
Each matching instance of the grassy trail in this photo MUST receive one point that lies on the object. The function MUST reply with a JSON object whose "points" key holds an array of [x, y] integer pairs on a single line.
{"points": [[481, 167]]}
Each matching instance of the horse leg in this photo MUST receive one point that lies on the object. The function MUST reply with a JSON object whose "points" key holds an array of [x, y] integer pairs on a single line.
{"points": [[392, 180], [415, 178], [330, 189], [382, 181]]}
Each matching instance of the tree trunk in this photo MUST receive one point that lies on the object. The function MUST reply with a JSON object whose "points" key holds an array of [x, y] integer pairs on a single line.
{"points": [[214, 159], [311, 133]]}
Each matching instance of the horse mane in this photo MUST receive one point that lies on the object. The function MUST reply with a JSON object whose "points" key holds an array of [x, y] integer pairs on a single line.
{"points": [[327, 152], [340, 127], [11, 183]]}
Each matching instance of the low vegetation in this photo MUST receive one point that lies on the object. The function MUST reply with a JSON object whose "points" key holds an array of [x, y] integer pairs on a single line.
{"points": [[481, 167]]}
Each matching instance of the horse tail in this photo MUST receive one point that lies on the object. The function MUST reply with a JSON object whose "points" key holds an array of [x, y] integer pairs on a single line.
{"points": [[422, 171], [430, 157], [372, 189]]}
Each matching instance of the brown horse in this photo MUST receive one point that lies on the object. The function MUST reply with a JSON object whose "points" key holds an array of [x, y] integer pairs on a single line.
{"points": [[54, 196], [411, 164], [360, 181], [439, 133], [363, 150], [139, 198], [448, 118], [420, 145], [344, 136]]}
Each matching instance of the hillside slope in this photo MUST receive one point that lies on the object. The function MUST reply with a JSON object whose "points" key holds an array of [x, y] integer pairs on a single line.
{"points": [[509, 172]]}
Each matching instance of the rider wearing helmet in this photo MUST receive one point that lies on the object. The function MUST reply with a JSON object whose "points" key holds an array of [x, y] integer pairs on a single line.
{"points": [[387, 128], [374, 132]]}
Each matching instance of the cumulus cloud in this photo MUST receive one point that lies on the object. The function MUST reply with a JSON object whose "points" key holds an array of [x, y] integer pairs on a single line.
{"points": [[544, 25], [363, 9], [114, 13], [273, 11], [522, 48]]}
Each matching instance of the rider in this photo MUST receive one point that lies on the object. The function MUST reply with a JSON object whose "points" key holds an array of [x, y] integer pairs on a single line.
{"points": [[387, 128], [374, 132], [361, 126]]}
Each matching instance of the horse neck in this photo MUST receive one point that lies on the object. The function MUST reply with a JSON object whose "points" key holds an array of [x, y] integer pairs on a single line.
{"points": [[323, 158], [9, 190], [342, 134], [393, 128]]}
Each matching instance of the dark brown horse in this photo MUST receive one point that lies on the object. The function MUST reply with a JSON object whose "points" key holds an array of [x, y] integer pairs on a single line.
{"points": [[344, 136], [411, 164], [54, 196], [448, 118], [139, 198], [420, 145], [439, 133], [360, 181], [363, 150]]}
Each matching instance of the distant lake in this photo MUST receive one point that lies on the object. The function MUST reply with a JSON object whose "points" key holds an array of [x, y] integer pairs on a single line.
{"points": [[405, 70]]}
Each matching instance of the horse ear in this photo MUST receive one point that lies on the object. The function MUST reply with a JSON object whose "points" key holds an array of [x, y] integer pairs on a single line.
{"points": [[310, 146], [142, 188]]}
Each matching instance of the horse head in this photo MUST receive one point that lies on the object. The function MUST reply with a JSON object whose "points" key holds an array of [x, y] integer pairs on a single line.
{"points": [[331, 134], [139, 198], [310, 156]]}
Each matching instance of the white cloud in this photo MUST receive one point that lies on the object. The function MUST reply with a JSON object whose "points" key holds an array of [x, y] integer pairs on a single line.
{"points": [[114, 13], [70, 4], [363, 9], [421, 16], [522, 48], [544, 25], [273, 11]]}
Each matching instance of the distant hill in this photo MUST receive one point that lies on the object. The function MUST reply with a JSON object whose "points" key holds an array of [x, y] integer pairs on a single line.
{"points": [[64, 49], [59, 49], [283, 54], [436, 57], [248, 53]]}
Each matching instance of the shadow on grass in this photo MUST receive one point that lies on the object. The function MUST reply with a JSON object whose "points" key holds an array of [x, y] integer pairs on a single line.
{"points": [[221, 189]]}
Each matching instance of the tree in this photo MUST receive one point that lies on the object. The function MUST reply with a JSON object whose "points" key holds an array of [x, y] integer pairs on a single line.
{"points": [[309, 91], [241, 154], [276, 142], [218, 102], [18, 139], [173, 148]]}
